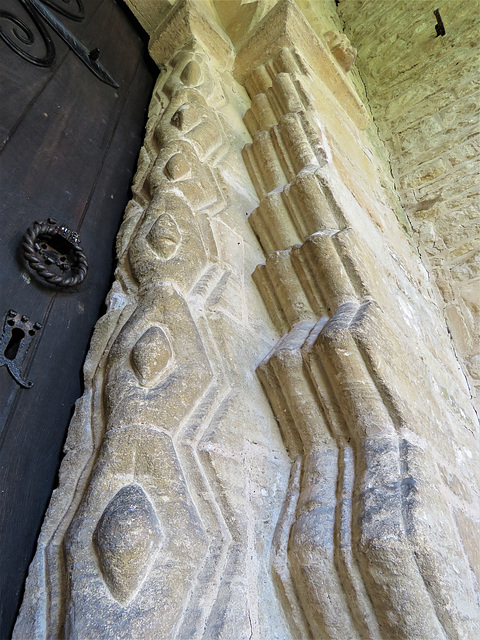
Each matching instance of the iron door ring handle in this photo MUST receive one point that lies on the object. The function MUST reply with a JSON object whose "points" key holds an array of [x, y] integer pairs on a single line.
{"points": [[39, 255]]}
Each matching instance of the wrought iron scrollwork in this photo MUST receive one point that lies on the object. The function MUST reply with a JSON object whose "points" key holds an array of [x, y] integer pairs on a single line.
{"points": [[62, 7], [53, 251], [20, 36]]}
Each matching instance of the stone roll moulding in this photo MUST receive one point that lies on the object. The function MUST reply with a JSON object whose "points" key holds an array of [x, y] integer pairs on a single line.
{"points": [[358, 540], [320, 497]]}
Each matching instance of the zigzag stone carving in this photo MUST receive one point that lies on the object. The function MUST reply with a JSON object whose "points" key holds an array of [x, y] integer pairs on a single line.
{"points": [[192, 502], [173, 453]]}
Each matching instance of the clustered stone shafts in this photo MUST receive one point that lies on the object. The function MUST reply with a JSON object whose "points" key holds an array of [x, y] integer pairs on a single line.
{"points": [[423, 93], [339, 409], [174, 515]]}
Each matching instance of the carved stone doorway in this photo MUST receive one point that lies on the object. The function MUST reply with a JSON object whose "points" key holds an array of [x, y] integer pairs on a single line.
{"points": [[69, 145]]}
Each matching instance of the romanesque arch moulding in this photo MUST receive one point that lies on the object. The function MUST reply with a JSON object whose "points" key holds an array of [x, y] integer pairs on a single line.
{"points": [[266, 455]]}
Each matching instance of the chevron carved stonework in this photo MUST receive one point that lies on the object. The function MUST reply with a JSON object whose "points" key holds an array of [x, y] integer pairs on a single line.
{"points": [[276, 438]]}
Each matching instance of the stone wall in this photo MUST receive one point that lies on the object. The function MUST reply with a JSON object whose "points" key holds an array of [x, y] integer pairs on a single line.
{"points": [[423, 92], [263, 244]]}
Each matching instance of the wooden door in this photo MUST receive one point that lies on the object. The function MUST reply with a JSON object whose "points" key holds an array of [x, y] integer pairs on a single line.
{"points": [[69, 145]]}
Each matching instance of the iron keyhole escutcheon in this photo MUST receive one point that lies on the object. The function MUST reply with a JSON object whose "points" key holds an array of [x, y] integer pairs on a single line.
{"points": [[17, 336]]}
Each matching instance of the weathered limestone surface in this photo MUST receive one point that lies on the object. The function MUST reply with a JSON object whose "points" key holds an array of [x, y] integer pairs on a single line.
{"points": [[342, 499], [364, 426], [175, 471], [423, 92]]}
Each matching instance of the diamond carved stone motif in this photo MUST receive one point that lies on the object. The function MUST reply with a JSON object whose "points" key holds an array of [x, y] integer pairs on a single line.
{"points": [[151, 355], [126, 540], [164, 237]]}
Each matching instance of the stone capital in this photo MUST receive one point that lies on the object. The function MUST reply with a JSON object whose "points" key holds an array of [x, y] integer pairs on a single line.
{"points": [[285, 26], [187, 21]]}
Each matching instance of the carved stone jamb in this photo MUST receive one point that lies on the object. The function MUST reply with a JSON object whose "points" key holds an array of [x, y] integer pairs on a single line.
{"points": [[342, 411], [153, 531]]}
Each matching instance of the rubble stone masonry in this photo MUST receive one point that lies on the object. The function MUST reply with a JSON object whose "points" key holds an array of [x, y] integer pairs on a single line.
{"points": [[423, 92]]}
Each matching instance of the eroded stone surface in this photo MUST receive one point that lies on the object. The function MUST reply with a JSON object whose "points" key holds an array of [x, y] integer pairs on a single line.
{"points": [[126, 540], [347, 378], [339, 501], [423, 94], [342, 50], [151, 355]]}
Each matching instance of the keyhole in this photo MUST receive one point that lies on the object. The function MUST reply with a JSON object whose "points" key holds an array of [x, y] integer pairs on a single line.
{"points": [[12, 347]]}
